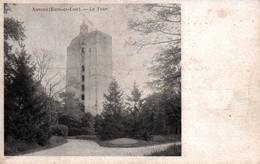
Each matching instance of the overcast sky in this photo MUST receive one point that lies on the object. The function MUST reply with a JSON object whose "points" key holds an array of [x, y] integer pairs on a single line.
{"points": [[54, 30]]}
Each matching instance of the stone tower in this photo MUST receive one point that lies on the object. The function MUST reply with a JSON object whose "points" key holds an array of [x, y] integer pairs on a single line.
{"points": [[89, 67]]}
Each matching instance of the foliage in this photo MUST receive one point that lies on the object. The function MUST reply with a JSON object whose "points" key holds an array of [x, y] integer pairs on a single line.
{"points": [[72, 114], [15, 146], [110, 124], [82, 126], [166, 138], [162, 23], [18, 147], [154, 115], [69, 121], [166, 69], [114, 101], [71, 106], [88, 122], [26, 116], [157, 24], [78, 131], [59, 130], [134, 100], [161, 29], [164, 113], [134, 120]]}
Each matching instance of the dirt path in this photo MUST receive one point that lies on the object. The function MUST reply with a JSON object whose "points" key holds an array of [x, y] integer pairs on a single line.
{"points": [[91, 148]]}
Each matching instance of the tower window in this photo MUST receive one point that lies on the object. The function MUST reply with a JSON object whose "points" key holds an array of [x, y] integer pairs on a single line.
{"points": [[82, 97], [83, 87], [83, 68], [82, 78], [82, 50], [89, 50]]}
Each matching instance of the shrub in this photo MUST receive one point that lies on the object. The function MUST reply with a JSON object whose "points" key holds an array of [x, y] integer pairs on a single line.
{"points": [[143, 134], [76, 126], [14, 146], [74, 131], [69, 121], [60, 130], [166, 138], [88, 122], [56, 140]]}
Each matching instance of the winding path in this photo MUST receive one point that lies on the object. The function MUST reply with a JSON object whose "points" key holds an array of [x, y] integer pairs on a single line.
{"points": [[91, 148]]}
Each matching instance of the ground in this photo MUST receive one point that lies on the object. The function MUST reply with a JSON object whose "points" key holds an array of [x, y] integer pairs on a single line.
{"points": [[19, 147], [123, 141], [90, 148]]}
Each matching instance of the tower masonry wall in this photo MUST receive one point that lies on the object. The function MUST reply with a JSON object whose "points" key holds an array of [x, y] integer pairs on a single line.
{"points": [[104, 66], [73, 70], [94, 52]]}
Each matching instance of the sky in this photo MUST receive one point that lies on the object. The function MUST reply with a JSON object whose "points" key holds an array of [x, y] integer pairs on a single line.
{"points": [[53, 31]]}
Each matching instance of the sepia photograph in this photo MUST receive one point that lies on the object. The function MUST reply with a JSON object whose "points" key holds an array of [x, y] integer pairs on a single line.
{"points": [[133, 82], [92, 79]]}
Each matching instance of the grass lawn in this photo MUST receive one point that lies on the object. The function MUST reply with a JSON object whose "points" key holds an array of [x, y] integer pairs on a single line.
{"points": [[17, 147], [156, 140], [174, 150]]}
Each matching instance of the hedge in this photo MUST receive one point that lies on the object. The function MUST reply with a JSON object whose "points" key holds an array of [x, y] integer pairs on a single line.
{"points": [[60, 130]]}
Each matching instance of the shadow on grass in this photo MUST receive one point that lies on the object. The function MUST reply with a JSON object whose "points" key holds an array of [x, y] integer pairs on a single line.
{"points": [[156, 140], [18, 147], [174, 150]]}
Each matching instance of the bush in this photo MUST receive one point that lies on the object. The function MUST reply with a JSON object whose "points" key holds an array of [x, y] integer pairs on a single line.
{"points": [[60, 130], [88, 122], [69, 121], [55, 141], [110, 127], [143, 134], [78, 131], [82, 126], [166, 138], [14, 146]]}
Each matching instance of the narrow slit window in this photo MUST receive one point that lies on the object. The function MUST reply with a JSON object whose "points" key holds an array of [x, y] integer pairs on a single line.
{"points": [[82, 50], [89, 50], [83, 87], [83, 68], [82, 78], [82, 97]]}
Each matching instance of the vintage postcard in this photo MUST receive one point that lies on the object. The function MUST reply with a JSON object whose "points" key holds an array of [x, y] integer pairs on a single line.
{"points": [[92, 79], [130, 82]]}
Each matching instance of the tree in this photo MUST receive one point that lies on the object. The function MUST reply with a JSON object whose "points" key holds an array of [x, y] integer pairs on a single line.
{"points": [[110, 124], [133, 119], [71, 105], [72, 114], [135, 100], [159, 27], [153, 108], [172, 110], [25, 112], [157, 24], [13, 30], [164, 113], [27, 116], [50, 81], [113, 104], [166, 70]]}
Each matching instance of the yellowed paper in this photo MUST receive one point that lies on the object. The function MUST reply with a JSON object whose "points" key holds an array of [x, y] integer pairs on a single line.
{"points": [[220, 84]]}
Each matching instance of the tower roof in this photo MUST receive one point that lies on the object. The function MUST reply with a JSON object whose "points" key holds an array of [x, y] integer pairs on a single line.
{"points": [[82, 38], [83, 25]]}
